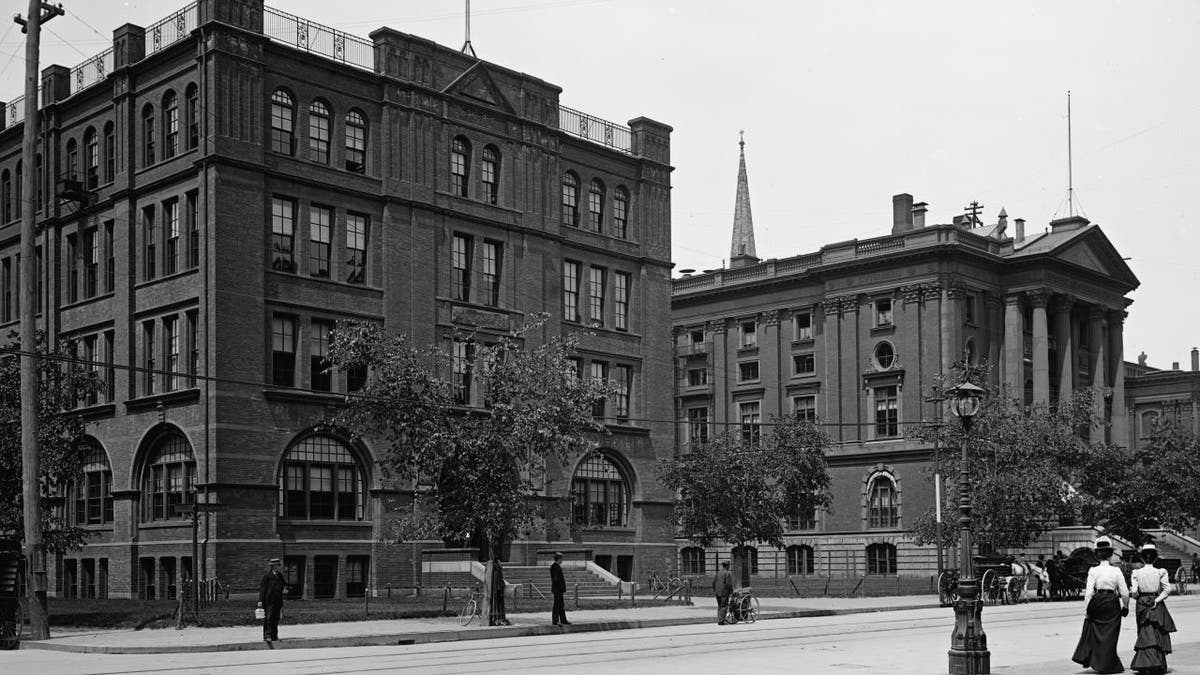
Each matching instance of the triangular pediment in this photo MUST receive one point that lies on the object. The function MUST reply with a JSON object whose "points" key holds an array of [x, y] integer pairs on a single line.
{"points": [[1093, 251], [477, 85]]}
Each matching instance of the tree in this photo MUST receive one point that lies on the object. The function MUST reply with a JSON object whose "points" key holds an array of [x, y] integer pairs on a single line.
{"points": [[738, 492], [63, 384], [477, 467], [1029, 466]]}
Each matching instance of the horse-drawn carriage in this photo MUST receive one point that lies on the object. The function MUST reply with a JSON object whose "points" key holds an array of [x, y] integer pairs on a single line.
{"points": [[1002, 579], [1068, 575]]}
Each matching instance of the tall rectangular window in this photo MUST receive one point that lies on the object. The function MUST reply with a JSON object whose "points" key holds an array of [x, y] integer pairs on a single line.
{"points": [[320, 239], [749, 334], [460, 268], [170, 126], [193, 347], [6, 288], [596, 296], [697, 425], [171, 228], [463, 364], [887, 411], [883, 312], [283, 351], [805, 407], [599, 373], [750, 414], [37, 283], [110, 260], [110, 153], [318, 369], [108, 377], [149, 244], [283, 230], [72, 268], [570, 291], [88, 354], [489, 174], [356, 248], [171, 349], [621, 213], [318, 132], [491, 273], [802, 325], [624, 377], [621, 300], [149, 362], [193, 230]]}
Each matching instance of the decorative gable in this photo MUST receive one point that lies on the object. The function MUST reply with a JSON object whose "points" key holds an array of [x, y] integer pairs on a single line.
{"points": [[477, 85], [1097, 254]]}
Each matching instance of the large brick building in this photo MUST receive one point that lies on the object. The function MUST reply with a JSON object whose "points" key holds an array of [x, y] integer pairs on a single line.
{"points": [[853, 336], [218, 189]]}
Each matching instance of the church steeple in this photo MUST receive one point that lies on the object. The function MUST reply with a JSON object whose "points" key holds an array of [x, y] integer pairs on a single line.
{"points": [[741, 250]]}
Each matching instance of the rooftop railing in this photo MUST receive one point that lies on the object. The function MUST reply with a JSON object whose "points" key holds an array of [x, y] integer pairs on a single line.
{"points": [[594, 129], [172, 29], [318, 39], [92, 71]]}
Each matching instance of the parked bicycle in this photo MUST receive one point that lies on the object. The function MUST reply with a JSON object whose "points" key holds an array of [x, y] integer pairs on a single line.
{"points": [[661, 587], [743, 606], [472, 608], [1182, 577]]}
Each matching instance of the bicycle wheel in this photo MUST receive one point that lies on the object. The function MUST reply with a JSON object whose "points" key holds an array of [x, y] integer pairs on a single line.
{"points": [[947, 588], [987, 587], [11, 627], [750, 609], [468, 612], [732, 612]]}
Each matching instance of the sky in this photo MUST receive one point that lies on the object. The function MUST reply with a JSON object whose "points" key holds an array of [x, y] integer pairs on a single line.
{"points": [[845, 103]]}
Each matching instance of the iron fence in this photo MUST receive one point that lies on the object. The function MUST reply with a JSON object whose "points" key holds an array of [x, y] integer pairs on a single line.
{"points": [[171, 29], [318, 39], [594, 129]]}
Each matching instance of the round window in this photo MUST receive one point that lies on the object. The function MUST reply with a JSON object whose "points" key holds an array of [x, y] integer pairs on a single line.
{"points": [[885, 355]]}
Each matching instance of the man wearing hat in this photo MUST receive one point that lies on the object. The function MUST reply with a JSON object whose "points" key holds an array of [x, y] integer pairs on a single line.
{"points": [[1106, 598], [270, 599], [558, 586]]}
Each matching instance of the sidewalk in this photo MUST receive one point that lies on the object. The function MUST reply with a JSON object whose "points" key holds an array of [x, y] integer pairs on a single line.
{"points": [[447, 629]]}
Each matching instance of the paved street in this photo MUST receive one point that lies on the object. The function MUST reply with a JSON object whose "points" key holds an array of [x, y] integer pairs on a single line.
{"points": [[1031, 639]]}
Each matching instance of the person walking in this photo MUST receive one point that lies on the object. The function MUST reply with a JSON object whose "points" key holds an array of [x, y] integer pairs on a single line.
{"points": [[1151, 585], [722, 589], [270, 599], [1040, 571], [1106, 599], [558, 586]]}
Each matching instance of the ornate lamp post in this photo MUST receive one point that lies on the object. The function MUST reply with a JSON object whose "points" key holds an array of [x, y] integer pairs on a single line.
{"points": [[969, 654]]}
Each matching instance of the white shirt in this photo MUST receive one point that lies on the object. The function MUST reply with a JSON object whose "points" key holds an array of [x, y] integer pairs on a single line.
{"points": [[1151, 580], [1105, 577]]}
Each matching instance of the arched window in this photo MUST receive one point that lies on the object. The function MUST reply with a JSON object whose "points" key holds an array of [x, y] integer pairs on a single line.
{"points": [[799, 559], [92, 494], [91, 159], [148, 156], [883, 508], [620, 213], [491, 174], [319, 122], [691, 560], [192, 97], [356, 142], [6, 196], [600, 493], [283, 119], [168, 477], [460, 165], [72, 168], [17, 190], [596, 206], [319, 479], [570, 199], [110, 153], [751, 554], [170, 125], [881, 559]]}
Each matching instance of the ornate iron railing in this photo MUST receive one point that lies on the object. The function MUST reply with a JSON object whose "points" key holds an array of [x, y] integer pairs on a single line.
{"points": [[594, 129], [92, 71], [318, 39], [171, 29]]}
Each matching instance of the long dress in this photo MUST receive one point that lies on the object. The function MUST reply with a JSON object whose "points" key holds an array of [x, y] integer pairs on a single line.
{"points": [[1154, 626], [1097, 646]]}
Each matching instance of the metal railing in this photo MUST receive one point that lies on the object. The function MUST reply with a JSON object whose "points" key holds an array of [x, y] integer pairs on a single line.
{"points": [[92, 71], [318, 39], [878, 245], [172, 29], [594, 129]]}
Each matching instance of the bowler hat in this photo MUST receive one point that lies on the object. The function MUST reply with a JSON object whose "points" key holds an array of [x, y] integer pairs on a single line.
{"points": [[557, 554], [273, 561]]}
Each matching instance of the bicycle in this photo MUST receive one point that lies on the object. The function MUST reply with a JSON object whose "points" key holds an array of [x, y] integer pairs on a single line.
{"points": [[743, 606], [472, 608], [947, 588], [1181, 581], [668, 587]]}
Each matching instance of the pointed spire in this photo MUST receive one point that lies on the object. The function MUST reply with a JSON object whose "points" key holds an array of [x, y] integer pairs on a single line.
{"points": [[741, 250]]}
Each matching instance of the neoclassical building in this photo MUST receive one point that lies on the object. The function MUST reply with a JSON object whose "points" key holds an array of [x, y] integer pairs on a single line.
{"points": [[218, 189], [853, 336]]}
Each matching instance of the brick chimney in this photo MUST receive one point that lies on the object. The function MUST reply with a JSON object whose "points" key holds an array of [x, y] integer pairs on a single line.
{"points": [[1195, 359], [902, 213], [918, 214], [1020, 233]]}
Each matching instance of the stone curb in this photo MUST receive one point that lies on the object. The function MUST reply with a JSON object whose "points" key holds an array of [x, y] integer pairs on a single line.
{"points": [[481, 633]]}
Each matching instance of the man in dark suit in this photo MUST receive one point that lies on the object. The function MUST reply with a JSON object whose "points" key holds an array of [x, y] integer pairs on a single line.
{"points": [[558, 586], [270, 597], [722, 589]]}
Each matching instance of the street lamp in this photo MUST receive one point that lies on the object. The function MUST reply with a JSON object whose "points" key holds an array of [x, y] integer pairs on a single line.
{"points": [[969, 654]]}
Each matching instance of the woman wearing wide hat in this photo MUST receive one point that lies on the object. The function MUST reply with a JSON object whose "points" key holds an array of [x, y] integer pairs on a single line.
{"points": [[1106, 597], [1151, 585]]}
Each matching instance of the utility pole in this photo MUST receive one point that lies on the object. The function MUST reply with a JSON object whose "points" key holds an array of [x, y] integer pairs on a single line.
{"points": [[35, 553]]}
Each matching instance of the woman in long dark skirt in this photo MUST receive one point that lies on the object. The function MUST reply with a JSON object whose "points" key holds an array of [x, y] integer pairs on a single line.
{"points": [[1106, 597], [1151, 585]]}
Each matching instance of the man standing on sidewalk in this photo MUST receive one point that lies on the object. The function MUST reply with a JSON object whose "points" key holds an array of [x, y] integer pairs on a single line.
{"points": [[558, 586], [723, 588], [270, 598]]}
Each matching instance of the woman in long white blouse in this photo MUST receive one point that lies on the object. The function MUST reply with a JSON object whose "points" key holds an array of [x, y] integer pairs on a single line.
{"points": [[1151, 585]]}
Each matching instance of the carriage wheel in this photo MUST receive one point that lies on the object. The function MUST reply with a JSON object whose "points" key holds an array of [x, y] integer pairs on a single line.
{"points": [[1014, 590], [947, 588], [988, 587], [11, 626]]}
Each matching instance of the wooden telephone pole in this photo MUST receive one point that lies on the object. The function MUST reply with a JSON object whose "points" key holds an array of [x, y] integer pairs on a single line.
{"points": [[35, 552]]}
